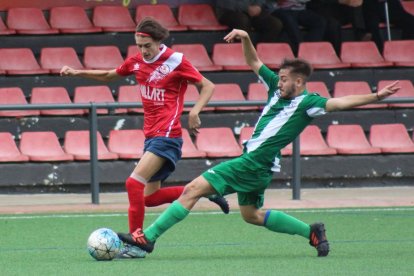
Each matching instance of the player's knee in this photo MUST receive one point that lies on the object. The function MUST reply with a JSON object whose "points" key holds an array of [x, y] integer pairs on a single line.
{"points": [[254, 217], [251, 218], [191, 191], [132, 185]]}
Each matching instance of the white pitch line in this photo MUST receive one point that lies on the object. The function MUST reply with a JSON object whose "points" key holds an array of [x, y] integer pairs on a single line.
{"points": [[345, 210]]}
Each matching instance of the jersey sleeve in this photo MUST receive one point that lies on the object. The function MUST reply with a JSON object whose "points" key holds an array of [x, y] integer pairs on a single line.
{"points": [[269, 79], [125, 69], [189, 72], [315, 105]]}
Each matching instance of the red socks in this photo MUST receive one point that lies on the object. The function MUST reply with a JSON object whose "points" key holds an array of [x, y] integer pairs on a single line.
{"points": [[136, 210], [137, 201], [163, 195]]}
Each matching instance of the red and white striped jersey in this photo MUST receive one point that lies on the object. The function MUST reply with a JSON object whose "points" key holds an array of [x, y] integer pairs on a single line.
{"points": [[162, 82]]}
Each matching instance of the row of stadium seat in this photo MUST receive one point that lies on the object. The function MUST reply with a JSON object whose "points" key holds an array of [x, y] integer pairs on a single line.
{"points": [[74, 19], [228, 57], [210, 142], [223, 92]]}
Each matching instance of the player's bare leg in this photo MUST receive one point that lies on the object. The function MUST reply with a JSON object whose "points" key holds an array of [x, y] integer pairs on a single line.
{"points": [[156, 196]]}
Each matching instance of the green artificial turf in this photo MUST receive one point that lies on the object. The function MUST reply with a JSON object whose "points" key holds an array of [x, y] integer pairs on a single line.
{"points": [[375, 241]]}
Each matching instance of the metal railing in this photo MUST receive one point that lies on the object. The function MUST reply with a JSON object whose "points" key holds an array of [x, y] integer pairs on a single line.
{"points": [[93, 126]]}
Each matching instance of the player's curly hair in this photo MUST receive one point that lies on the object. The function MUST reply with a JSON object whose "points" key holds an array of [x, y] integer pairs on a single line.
{"points": [[153, 28], [297, 66]]}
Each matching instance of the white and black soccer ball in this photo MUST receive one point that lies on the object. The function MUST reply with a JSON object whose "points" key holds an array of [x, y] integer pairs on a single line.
{"points": [[103, 244]]}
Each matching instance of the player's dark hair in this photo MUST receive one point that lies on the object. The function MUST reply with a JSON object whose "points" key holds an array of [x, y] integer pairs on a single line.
{"points": [[153, 28], [297, 66]]}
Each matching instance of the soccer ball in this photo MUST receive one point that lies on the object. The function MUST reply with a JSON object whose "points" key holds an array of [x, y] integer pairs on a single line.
{"points": [[103, 244]]}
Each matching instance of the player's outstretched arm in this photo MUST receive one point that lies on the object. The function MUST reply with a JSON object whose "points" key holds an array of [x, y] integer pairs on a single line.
{"points": [[351, 101], [249, 51], [100, 75]]}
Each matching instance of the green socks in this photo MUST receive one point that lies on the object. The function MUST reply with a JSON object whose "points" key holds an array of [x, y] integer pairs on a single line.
{"points": [[274, 221], [283, 223], [172, 215]]}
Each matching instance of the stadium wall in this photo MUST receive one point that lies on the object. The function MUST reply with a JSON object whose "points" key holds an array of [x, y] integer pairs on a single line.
{"points": [[333, 171]]}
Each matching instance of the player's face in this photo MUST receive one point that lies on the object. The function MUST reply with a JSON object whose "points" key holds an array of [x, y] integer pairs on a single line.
{"points": [[147, 46], [288, 84]]}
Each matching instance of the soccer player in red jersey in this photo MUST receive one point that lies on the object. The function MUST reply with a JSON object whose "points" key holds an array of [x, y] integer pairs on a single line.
{"points": [[162, 76]]}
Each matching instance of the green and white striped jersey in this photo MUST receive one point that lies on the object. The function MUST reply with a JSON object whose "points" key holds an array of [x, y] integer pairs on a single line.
{"points": [[281, 121]]}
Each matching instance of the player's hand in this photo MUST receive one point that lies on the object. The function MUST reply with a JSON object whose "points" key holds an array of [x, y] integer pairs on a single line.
{"points": [[235, 34], [388, 90], [194, 123], [67, 71]]}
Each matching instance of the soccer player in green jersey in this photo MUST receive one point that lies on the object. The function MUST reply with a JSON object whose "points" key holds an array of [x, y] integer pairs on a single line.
{"points": [[289, 109]]}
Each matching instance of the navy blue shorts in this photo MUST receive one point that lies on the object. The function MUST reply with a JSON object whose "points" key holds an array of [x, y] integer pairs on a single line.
{"points": [[167, 148]]}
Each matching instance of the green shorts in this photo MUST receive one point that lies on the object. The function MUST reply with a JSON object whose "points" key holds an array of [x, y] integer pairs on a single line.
{"points": [[242, 176]]}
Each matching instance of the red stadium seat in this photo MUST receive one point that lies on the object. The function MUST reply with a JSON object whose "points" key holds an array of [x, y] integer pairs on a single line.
{"points": [[218, 142], [20, 61], [43, 146], [318, 87], [400, 52], [228, 92], [272, 54], [321, 55], [189, 150], [130, 93], [95, 94], [198, 56], [257, 92], [29, 21], [363, 54], [54, 59], [102, 57], [162, 13], [230, 56], [113, 19], [4, 30], [8, 149], [287, 150], [346, 88], [245, 135], [311, 143], [408, 6], [132, 50], [77, 143], [14, 95], [71, 20], [53, 95], [407, 90], [127, 143], [199, 17], [192, 95], [349, 139], [391, 138]]}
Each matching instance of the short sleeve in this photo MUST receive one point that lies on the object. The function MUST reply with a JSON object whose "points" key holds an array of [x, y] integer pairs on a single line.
{"points": [[315, 105], [189, 72], [268, 78], [126, 68]]}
